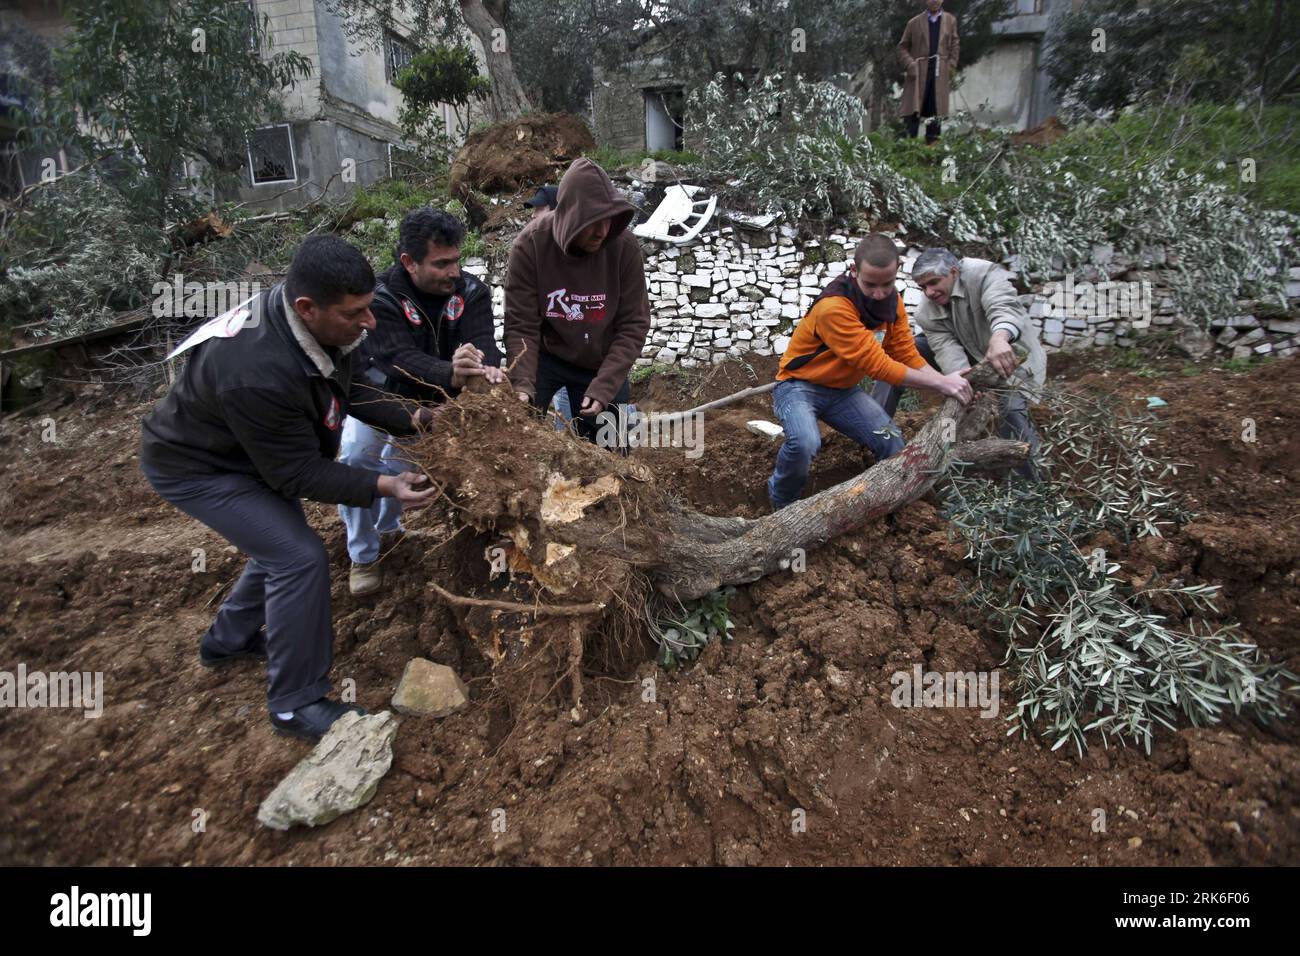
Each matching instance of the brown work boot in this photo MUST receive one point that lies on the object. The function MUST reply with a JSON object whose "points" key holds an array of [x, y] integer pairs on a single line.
{"points": [[365, 578]]}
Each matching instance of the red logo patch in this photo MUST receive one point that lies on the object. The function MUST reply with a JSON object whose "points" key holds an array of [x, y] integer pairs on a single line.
{"points": [[412, 314], [454, 307], [332, 416]]}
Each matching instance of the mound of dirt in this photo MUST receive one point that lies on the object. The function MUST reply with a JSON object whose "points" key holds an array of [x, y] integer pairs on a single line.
{"points": [[526, 152], [779, 746], [1044, 134]]}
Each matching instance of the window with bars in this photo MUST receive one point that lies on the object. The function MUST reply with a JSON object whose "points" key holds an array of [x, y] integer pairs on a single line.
{"points": [[397, 55], [270, 155]]}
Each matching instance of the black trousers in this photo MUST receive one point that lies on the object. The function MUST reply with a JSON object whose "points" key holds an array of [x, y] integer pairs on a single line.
{"points": [[554, 374], [932, 127], [285, 584]]}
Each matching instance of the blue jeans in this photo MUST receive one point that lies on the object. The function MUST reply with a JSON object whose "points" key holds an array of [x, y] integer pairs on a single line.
{"points": [[850, 411], [561, 404], [365, 447], [886, 395]]}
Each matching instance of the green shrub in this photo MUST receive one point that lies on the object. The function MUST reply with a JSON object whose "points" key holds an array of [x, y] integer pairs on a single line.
{"points": [[74, 255]]}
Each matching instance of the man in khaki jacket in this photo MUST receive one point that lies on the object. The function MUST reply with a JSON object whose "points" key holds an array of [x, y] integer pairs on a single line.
{"points": [[971, 313], [928, 53]]}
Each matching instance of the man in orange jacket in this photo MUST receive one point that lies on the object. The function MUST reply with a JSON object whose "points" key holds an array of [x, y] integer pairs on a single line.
{"points": [[833, 348]]}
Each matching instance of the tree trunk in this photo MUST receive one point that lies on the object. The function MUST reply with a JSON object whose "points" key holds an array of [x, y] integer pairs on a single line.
{"points": [[485, 18], [585, 522]]}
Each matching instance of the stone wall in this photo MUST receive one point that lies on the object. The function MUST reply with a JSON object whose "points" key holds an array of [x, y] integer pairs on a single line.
{"points": [[734, 292]]}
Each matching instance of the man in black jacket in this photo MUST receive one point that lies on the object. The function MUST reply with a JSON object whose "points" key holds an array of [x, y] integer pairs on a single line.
{"points": [[433, 333], [251, 426]]}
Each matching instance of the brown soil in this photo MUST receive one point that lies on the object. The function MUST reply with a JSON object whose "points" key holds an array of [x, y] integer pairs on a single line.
{"points": [[793, 714], [1044, 134], [530, 151]]}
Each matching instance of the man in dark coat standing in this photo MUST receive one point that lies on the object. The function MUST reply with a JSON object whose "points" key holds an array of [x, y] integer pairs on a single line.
{"points": [[928, 52]]}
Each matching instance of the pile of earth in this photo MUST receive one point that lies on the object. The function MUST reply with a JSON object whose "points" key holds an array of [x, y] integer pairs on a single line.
{"points": [[778, 746], [526, 152]]}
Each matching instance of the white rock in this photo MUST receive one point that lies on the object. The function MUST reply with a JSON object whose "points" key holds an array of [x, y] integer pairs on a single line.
{"points": [[766, 429], [429, 690], [340, 774]]}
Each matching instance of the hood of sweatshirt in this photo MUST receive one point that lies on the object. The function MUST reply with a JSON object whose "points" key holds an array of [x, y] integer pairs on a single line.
{"points": [[586, 195]]}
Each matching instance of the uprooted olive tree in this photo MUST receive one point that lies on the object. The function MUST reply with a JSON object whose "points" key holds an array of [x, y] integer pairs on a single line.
{"points": [[577, 538]]}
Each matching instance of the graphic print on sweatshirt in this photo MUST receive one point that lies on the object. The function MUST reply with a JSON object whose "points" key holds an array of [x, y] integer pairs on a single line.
{"points": [[573, 307]]}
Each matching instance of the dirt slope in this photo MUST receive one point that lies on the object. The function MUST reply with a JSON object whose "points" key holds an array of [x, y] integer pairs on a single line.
{"points": [[792, 715]]}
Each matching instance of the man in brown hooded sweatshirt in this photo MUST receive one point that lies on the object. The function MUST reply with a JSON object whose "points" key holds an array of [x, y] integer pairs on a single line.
{"points": [[577, 312]]}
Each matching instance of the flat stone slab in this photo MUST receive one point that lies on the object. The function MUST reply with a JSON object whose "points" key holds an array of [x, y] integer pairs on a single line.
{"points": [[429, 690], [766, 429], [339, 775]]}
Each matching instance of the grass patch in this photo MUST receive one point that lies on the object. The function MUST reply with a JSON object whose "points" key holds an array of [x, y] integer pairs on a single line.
{"points": [[1212, 140], [641, 373], [612, 160]]}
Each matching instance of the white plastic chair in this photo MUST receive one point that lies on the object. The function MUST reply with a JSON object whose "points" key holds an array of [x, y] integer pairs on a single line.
{"points": [[680, 217]]}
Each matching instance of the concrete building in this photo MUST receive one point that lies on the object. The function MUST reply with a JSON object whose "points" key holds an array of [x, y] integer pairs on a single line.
{"points": [[641, 106], [1008, 86], [25, 27], [339, 128]]}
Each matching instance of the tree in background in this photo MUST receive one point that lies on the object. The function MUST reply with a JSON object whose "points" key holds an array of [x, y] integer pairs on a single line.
{"points": [[553, 44], [541, 52], [160, 84], [430, 22], [440, 74], [1110, 54], [816, 39]]}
